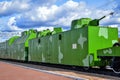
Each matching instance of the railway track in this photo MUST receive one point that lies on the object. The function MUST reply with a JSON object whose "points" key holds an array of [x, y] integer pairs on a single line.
{"points": [[92, 73]]}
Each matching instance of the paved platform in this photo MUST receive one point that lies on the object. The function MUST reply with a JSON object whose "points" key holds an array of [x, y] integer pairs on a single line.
{"points": [[12, 72]]}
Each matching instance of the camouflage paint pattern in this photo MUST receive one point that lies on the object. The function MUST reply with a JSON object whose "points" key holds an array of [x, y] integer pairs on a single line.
{"points": [[16, 46], [100, 38], [74, 47], [3, 50], [68, 47]]}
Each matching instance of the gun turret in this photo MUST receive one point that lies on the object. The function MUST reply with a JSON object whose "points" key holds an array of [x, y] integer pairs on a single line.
{"points": [[79, 23], [95, 22], [83, 22]]}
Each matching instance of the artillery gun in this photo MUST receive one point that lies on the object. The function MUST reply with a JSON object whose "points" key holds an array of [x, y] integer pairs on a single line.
{"points": [[83, 22], [95, 22]]}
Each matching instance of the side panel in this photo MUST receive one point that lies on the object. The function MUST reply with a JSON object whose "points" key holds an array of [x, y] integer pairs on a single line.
{"points": [[50, 48], [72, 48], [69, 48], [79, 47], [3, 50], [33, 50], [16, 51], [109, 52], [21, 53], [45, 49], [100, 38], [55, 49], [65, 47]]}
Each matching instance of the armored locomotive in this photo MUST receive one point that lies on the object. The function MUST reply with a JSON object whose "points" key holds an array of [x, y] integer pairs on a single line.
{"points": [[87, 44]]}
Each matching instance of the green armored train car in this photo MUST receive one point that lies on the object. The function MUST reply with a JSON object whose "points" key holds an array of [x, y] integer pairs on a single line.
{"points": [[77, 46], [87, 44], [16, 48]]}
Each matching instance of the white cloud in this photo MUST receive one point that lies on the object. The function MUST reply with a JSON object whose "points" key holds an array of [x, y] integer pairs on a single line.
{"points": [[43, 14], [6, 35], [55, 15], [46, 13], [12, 7], [18, 6], [113, 26], [44, 28], [12, 24], [58, 15]]}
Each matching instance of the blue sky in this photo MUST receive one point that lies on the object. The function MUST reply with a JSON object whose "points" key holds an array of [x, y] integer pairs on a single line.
{"points": [[19, 15]]}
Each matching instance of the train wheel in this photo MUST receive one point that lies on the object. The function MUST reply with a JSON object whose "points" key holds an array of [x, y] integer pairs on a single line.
{"points": [[116, 64], [116, 61]]}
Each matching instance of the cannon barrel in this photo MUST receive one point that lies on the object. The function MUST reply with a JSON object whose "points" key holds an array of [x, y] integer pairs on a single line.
{"points": [[106, 16], [95, 22]]}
